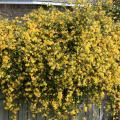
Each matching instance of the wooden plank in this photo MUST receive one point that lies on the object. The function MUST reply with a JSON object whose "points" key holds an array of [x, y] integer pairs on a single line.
{"points": [[101, 113], [22, 115], [81, 114], [4, 115], [90, 114], [39, 117], [29, 114], [1, 110]]}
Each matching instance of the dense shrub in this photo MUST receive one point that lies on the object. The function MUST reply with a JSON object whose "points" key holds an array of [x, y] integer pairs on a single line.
{"points": [[55, 60]]}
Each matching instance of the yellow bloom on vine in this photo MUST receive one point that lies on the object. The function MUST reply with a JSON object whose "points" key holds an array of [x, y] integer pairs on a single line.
{"points": [[6, 59]]}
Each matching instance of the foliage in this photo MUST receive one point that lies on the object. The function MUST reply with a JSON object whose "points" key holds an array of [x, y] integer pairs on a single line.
{"points": [[116, 9], [56, 60]]}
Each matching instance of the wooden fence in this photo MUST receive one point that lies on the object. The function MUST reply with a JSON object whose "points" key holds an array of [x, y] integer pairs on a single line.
{"points": [[24, 114]]}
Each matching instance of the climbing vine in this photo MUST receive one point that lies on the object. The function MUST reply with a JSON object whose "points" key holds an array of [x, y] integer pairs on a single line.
{"points": [[54, 61]]}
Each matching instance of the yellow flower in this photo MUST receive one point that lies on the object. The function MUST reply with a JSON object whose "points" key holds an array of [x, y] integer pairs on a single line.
{"points": [[73, 112], [37, 92], [5, 59], [47, 42], [85, 109], [60, 95], [55, 105], [20, 78]]}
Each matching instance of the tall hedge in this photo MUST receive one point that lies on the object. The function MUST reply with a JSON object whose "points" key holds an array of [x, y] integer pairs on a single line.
{"points": [[54, 61]]}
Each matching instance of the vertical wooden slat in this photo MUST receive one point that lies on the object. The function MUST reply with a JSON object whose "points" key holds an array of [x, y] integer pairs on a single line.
{"points": [[81, 114], [101, 113], [39, 117], [1, 107], [93, 108], [29, 115], [9, 115], [96, 113], [23, 112], [90, 114], [5, 114], [20, 113], [1, 110]]}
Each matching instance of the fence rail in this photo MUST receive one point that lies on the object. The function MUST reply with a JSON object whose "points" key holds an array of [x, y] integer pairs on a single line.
{"points": [[37, 2], [43, 2]]}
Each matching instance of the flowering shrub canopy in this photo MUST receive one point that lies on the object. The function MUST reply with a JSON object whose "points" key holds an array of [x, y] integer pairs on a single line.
{"points": [[55, 60]]}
